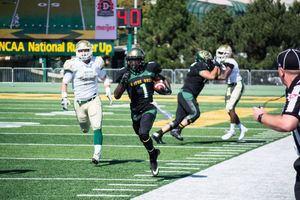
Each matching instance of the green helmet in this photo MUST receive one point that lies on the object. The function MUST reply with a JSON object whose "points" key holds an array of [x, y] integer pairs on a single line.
{"points": [[204, 56], [135, 60]]}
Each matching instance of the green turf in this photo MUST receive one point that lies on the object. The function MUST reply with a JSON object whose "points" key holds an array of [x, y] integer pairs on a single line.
{"points": [[51, 160]]}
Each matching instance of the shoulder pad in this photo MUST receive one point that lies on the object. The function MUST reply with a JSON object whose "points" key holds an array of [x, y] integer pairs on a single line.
{"points": [[230, 62], [99, 61], [69, 65], [153, 67]]}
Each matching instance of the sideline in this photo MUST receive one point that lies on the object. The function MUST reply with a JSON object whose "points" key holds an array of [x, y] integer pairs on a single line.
{"points": [[265, 173]]}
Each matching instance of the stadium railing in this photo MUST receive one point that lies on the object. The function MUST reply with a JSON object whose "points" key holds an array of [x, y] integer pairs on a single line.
{"points": [[18, 74]]}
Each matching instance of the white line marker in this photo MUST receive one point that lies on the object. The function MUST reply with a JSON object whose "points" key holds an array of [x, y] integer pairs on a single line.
{"points": [[171, 171], [115, 146], [205, 159], [143, 175], [103, 195], [77, 179], [187, 164], [118, 189], [227, 150], [207, 155], [188, 168], [131, 185]]}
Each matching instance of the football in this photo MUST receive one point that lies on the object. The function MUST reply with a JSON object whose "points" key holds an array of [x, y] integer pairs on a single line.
{"points": [[159, 85]]}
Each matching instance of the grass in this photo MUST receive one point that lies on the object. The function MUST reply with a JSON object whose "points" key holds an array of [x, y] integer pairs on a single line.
{"points": [[51, 159]]}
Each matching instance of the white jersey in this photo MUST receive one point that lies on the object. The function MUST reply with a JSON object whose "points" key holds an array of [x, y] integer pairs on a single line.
{"points": [[235, 73], [84, 76]]}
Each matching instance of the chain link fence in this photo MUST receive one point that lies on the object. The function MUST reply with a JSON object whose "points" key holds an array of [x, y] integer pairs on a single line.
{"points": [[9, 74]]}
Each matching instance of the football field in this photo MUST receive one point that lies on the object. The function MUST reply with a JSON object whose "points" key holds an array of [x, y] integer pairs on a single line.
{"points": [[43, 154]]}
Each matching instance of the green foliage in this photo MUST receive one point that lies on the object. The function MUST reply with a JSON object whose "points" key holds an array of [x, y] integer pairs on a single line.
{"points": [[170, 33]]}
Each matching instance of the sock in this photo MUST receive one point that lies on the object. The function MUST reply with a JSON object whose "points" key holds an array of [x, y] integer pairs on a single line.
{"points": [[160, 132], [241, 126], [98, 139], [147, 142], [97, 149], [232, 126]]}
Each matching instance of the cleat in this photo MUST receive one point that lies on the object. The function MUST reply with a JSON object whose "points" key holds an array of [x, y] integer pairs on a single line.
{"points": [[228, 135], [96, 159], [242, 134], [176, 133], [153, 162], [158, 138]]}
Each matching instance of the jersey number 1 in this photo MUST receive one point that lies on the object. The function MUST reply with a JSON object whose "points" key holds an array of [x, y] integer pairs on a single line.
{"points": [[145, 90]]}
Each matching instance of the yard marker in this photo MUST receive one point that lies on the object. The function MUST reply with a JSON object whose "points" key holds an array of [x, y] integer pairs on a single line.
{"points": [[172, 171], [187, 164], [118, 189], [188, 168], [130, 185], [75, 179], [103, 195]]}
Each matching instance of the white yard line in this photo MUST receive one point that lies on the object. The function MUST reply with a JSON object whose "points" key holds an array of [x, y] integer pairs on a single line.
{"points": [[171, 171], [187, 164], [118, 146], [118, 189], [188, 168], [75, 179], [103, 195], [133, 184]]}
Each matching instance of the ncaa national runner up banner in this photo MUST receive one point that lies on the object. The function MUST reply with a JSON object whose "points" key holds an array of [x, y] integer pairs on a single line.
{"points": [[57, 47]]}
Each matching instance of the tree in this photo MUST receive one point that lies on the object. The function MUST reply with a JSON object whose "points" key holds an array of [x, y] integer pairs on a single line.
{"points": [[265, 29], [169, 33], [214, 28]]}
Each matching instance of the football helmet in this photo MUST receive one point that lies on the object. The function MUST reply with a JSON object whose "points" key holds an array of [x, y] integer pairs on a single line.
{"points": [[206, 57], [84, 50], [223, 52], [135, 60]]}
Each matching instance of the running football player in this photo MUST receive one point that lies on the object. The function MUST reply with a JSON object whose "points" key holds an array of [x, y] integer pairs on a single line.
{"points": [[202, 70], [83, 71], [138, 79]]}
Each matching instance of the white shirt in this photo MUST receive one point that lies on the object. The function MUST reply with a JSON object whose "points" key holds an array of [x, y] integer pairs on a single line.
{"points": [[84, 77], [235, 72]]}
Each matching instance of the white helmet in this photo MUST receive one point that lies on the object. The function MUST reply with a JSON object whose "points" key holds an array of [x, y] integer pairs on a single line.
{"points": [[223, 52], [84, 50]]}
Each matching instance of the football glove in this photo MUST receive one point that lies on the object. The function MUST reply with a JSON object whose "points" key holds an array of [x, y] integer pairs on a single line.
{"points": [[64, 103], [108, 95], [125, 78]]}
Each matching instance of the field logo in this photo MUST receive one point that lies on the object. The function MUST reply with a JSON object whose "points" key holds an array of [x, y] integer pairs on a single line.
{"points": [[105, 8]]}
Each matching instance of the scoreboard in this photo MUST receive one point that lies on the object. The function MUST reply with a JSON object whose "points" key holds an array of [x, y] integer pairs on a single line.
{"points": [[129, 18]]}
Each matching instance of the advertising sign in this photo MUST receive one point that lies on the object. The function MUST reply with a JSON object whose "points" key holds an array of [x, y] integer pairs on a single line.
{"points": [[105, 19]]}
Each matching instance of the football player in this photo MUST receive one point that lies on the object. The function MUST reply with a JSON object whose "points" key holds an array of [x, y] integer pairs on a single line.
{"points": [[235, 88], [138, 79], [202, 70], [83, 71]]}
